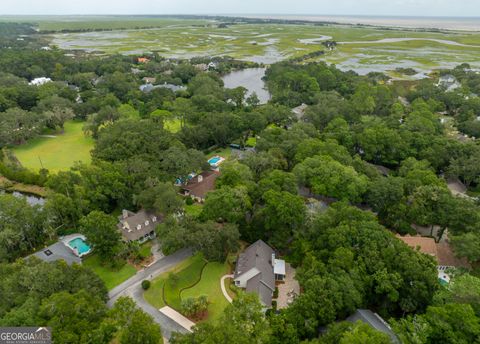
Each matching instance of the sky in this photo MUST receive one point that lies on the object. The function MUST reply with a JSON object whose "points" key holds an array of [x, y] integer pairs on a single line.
{"points": [[467, 8]]}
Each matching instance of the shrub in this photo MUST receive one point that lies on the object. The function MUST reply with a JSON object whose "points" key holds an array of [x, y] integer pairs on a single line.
{"points": [[189, 201], [274, 305], [275, 293], [146, 284], [194, 307]]}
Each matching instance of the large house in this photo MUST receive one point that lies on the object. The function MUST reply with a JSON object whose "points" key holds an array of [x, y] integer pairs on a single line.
{"points": [[139, 226], [257, 270], [200, 185]]}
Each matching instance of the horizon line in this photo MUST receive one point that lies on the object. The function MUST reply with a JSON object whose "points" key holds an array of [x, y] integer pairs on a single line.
{"points": [[237, 15]]}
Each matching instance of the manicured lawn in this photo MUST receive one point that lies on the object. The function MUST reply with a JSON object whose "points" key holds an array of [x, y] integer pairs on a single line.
{"points": [[209, 285], [154, 294], [223, 152], [172, 125], [56, 153], [188, 273], [186, 278], [111, 277], [193, 209]]}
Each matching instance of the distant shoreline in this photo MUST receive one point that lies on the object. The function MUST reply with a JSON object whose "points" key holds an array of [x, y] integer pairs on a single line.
{"points": [[462, 24], [399, 22]]}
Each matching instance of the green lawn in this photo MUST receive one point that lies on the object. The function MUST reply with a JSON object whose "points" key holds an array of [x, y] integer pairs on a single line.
{"points": [[223, 152], [193, 209], [59, 153], [111, 277], [209, 285], [188, 273], [186, 278], [154, 294]]}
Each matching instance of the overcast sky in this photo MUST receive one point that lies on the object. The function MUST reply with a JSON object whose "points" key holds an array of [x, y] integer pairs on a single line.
{"points": [[470, 8]]}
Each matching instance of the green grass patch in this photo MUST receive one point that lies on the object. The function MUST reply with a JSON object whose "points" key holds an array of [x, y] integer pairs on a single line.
{"points": [[209, 285], [185, 278], [58, 153], [223, 152], [188, 273], [193, 209], [110, 276], [154, 294]]}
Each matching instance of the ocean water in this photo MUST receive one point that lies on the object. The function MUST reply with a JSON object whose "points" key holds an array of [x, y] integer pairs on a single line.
{"points": [[446, 23]]}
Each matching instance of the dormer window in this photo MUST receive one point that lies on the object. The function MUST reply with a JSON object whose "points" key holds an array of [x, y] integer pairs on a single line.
{"points": [[139, 227], [147, 223]]}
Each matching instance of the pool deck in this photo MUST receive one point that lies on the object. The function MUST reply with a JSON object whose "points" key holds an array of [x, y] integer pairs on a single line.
{"points": [[66, 241], [215, 161]]}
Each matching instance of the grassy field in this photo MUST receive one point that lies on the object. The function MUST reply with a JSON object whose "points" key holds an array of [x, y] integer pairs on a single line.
{"points": [[154, 294], [270, 43], [188, 273], [56, 153], [111, 277], [209, 285]]}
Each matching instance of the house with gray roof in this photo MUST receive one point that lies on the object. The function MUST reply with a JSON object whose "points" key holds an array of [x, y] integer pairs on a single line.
{"points": [[375, 321], [58, 251], [139, 226], [257, 270]]}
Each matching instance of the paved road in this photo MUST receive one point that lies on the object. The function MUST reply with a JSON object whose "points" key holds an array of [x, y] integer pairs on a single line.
{"points": [[133, 288]]}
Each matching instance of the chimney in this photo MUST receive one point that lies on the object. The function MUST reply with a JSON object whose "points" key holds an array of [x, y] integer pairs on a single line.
{"points": [[273, 259], [124, 213], [200, 178]]}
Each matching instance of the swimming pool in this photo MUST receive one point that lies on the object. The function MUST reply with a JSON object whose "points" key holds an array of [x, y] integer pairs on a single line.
{"points": [[214, 160], [79, 245]]}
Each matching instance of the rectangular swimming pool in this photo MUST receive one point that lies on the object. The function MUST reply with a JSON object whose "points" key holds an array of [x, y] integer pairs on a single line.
{"points": [[80, 245], [214, 160]]}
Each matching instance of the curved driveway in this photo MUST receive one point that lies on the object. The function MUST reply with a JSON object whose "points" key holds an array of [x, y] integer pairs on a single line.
{"points": [[133, 288]]}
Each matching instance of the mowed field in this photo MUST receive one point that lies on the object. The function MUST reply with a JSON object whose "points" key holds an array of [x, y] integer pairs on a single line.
{"points": [[56, 153], [373, 49]]}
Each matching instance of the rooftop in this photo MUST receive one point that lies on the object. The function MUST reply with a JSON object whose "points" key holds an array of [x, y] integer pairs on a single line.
{"points": [[426, 245], [375, 321], [134, 226], [199, 185], [441, 251], [58, 251], [258, 256]]}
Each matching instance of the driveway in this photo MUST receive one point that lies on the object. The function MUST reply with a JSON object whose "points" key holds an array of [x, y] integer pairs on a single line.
{"points": [[133, 288]]}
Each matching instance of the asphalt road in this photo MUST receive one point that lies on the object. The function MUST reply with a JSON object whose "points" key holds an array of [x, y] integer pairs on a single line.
{"points": [[133, 288]]}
